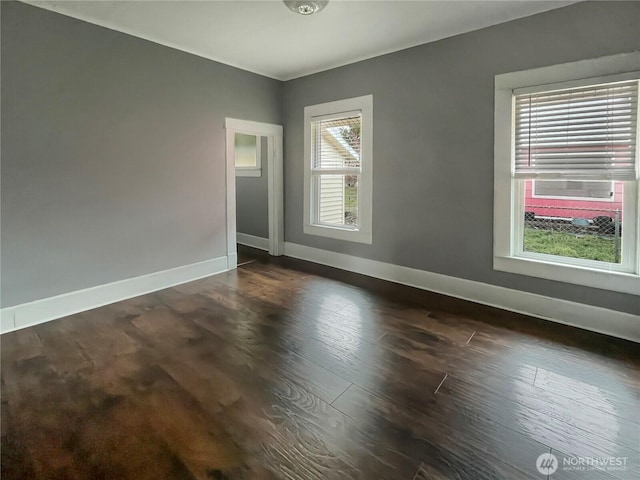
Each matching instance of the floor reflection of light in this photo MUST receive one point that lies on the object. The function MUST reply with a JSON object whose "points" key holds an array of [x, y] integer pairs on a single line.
{"points": [[342, 323], [553, 411], [340, 334], [246, 329]]}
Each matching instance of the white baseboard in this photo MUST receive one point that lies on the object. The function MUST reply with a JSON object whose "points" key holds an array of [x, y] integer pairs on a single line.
{"points": [[40, 311], [596, 319], [601, 320], [252, 241], [6, 321]]}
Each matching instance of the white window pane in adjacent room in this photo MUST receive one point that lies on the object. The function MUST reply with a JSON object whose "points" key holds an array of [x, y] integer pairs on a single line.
{"points": [[246, 150]]}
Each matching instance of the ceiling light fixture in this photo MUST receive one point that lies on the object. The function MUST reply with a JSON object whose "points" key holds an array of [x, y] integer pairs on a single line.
{"points": [[306, 7]]}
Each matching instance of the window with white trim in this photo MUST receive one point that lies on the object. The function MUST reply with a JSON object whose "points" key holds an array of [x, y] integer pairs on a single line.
{"points": [[338, 169], [566, 173]]}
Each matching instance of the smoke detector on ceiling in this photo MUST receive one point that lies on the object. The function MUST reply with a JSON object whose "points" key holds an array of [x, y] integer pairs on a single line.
{"points": [[306, 7]]}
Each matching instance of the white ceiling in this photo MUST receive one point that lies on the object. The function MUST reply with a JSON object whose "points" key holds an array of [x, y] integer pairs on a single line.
{"points": [[263, 36]]}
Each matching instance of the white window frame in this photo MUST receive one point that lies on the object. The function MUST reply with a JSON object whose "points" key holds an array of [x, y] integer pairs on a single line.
{"points": [[581, 199], [508, 255], [251, 171], [364, 106]]}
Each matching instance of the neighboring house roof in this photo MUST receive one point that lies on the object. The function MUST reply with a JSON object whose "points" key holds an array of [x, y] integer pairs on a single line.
{"points": [[333, 135]]}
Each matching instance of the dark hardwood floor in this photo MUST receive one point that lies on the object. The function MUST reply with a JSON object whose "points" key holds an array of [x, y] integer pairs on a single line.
{"points": [[248, 255], [289, 370]]}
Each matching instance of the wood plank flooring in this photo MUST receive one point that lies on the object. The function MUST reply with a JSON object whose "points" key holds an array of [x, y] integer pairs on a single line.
{"points": [[287, 370]]}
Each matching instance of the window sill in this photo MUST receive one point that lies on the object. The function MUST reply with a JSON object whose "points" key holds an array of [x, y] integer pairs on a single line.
{"points": [[248, 172], [358, 236], [589, 277]]}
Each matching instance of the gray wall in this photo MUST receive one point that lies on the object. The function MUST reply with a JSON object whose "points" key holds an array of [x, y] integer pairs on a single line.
{"points": [[112, 153], [252, 200], [113, 148], [433, 140]]}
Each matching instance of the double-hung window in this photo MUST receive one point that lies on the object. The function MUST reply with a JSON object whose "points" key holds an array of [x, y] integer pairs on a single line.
{"points": [[338, 169], [566, 173]]}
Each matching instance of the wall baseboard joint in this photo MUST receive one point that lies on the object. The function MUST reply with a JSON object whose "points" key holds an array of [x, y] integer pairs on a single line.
{"points": [[597, 319], [260, 243], [46, 309]]}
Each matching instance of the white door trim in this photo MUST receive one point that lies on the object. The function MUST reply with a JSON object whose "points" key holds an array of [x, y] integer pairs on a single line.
{"points": [[275, 179]]}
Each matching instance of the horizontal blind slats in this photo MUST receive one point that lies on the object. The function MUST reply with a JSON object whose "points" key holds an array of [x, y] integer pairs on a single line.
{"points": [[586, 131], [611, 89], [581, 130], [590, 139], [586, 99], [598, 121], [585, 141], [593, 105], [336, 143], [622, 111]]}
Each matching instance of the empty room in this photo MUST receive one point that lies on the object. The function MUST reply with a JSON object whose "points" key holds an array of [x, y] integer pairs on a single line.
{"points": [[320, 239]]}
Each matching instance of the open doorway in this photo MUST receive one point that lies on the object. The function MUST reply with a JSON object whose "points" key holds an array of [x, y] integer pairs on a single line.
{"points": [[255, 170]]}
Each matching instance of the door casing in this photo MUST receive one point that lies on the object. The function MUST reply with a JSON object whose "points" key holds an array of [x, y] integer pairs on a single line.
{"points": [[275, 180]]}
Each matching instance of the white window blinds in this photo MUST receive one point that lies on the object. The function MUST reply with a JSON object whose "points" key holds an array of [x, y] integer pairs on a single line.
{"points": [[588, 132], [336, 143]]}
